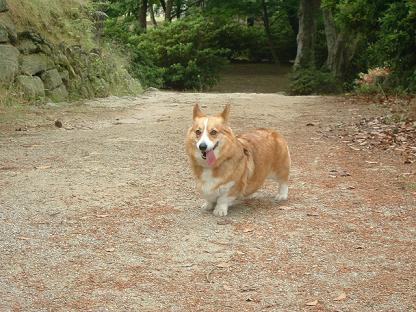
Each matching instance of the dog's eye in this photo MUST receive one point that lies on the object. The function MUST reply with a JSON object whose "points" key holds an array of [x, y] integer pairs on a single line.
{"points": [[198, 132], [213, 132]]}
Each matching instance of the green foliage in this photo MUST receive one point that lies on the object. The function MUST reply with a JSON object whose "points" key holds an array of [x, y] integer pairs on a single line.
{"points": [[188, 52], [185, 51], [283, 35], [312, 81], [250, 42], [57, 21], [244, 43], [395, 46], [141, 67]]}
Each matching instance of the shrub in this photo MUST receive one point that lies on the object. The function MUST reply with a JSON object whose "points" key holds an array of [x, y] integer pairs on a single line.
{"points": [[396, 45], [244, 43], [313, 81], [183, 53], [123, 32], [371, 81]]}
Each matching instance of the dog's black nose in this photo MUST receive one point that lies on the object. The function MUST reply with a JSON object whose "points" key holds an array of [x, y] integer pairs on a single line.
{"points": [[203, 147]]}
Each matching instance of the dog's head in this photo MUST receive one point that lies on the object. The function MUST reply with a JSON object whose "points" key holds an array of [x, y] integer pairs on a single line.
{"points": [[208, 133]]}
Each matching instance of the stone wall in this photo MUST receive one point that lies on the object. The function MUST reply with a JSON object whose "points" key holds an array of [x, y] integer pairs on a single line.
{"points": [[40, 69]]}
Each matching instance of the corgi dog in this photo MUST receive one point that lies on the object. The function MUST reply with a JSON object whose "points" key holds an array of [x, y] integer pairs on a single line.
{"points": [[229, 167]]}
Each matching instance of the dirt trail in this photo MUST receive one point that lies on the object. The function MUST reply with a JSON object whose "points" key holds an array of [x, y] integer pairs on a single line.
{"points": [[102, 214]]}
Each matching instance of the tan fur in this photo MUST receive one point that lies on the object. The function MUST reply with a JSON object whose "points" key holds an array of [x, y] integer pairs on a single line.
{"points": [[246, 159]]}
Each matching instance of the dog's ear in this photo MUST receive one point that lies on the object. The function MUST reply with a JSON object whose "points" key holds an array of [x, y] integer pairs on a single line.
{"points": [[225, 113], [197, 112]]}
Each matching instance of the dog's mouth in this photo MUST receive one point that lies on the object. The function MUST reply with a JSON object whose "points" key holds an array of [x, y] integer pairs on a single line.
{"points": [[209, 156]]}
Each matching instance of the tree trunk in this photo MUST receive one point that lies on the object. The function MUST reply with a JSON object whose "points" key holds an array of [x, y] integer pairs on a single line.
{"points": [[266, 24], [340, 49], [305, 56], [335, 44], [163, 4], [178, 10], [168, 11], [142, 14], [152, 15]]}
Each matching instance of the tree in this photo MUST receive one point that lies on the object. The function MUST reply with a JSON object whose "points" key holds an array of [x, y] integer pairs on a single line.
{"points": [[142, 14], [305, 56], [266, 23], [167, 6], [341, 45], [152, 14]]}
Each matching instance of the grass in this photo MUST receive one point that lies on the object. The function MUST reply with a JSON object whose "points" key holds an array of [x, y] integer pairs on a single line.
{"points": [[56, 20], [68, 22]]}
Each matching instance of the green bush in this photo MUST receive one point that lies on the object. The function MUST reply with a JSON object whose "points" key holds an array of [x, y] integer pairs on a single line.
{"points": [[396, 45], [244, 43], [249, 43], [283, 36], [124, 31], [183, 52], [313, 81]]}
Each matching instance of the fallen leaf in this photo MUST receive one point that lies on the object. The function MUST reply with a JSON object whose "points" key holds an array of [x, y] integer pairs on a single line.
{"points": [[102, 215], [340, 297], [223, 265], [224, 222], [220, 242], [226, 287], [285, 208], [248, 288], [43, 167], [248, 229], [23, 238], [354, 148], [312, 303]]}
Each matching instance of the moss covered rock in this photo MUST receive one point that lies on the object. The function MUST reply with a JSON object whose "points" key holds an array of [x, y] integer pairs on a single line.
{"points": [[51, 79], [33, 64], [31, 86], [9, 63]]}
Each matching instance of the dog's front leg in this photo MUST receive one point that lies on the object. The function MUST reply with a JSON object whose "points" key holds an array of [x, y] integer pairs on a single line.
{"points": [[223, 202]]}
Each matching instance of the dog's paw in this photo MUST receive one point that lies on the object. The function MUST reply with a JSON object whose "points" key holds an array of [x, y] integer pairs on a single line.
{"points": [[281, 197], [220, 211], [207, 206]]}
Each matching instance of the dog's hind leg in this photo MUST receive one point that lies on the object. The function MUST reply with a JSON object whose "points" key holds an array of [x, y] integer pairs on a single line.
{"points": [[281, 170], [282, 178], [283, 191]]}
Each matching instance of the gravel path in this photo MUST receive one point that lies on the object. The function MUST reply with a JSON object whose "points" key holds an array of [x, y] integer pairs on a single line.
{"points": [[102, 214]]}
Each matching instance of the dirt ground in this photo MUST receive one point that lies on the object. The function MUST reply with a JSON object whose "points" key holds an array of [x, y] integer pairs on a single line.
{"points": [[102, 214]]}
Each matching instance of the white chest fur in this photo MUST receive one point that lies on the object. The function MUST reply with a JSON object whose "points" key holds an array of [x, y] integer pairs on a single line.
{"points": [[212, 187], [208, 183]]}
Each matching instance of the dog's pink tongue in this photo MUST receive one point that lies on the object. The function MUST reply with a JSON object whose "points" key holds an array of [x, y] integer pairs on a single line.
{"points": [[211, 157]]}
